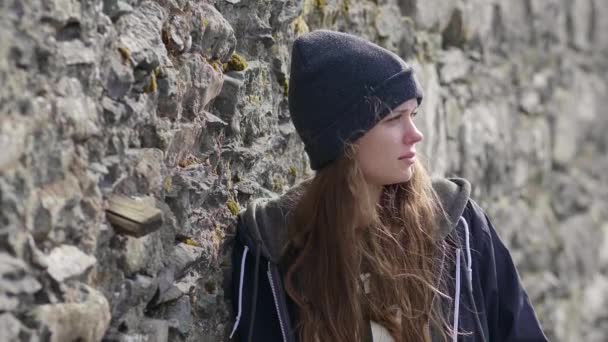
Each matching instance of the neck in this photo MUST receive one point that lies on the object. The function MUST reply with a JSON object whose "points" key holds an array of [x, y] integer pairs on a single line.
{"points": [[373, 196], [375, 191]]}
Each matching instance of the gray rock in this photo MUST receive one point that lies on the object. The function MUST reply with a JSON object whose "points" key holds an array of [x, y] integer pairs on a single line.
{"points": [[116, 8], [578, 95], [144, 254], [580, 253], [429, 15], [119, 77], [8, 302], [88, 319], [201, 82], [155, 330], [169, 99], [12, 136], [134, 292], [74, 52], [212, 35], [12, 329], [135, 256], [179, 314], [550, 21], [173, 293], [566, 146], [580, 14], [184, 256], [187, 283], [165, 277], [176, 34], [68, 262], [530, 102], [387, 19], [208, 298], [114, 111], [14, 276], [140, 35], [183, 140], [227, 100], [15, 281], [454, 66], [38, 258], [149, 169], [80, 115], [63, 10], [78, 112], [570, 196], [595, 302]]}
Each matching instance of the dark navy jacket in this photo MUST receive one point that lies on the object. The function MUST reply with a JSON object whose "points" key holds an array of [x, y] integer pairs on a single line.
{"points": [[492, 304]]}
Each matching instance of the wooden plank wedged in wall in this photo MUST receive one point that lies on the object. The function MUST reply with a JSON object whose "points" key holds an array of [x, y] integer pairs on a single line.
{"points": [[133, 216]]}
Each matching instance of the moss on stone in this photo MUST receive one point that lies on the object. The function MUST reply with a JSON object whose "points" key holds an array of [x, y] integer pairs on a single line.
{"points": [[153, 85], [285, 87], [300, 26], [215, 64], [125, 53], [254, 99], [236, 63], [278, 184], [191, 242], [167, 183], [320, 4], [217, 235], [293, 171], [345, 6], [233, 206]]}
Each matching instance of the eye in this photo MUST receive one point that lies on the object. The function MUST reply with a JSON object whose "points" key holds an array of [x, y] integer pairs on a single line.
{"points": [[393, 118], [414, 113]]}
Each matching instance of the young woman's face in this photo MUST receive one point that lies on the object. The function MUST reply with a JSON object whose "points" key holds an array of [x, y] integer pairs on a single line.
{"points": [[387, 152]]}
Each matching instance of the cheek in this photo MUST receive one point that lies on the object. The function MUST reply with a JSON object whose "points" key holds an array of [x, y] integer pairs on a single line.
{"points": [[367, 157], [375, 151]]}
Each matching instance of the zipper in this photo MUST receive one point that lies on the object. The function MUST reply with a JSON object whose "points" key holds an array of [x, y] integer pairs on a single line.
{"points": [[276, 302]]}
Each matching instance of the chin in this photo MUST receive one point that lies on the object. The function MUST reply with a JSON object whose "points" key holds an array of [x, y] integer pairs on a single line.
{"points": [[408, 175], [406, 179], [397, 177], [400, 179]]}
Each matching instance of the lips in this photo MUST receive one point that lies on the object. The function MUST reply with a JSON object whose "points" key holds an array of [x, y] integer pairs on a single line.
{"points": [[409, 155]]}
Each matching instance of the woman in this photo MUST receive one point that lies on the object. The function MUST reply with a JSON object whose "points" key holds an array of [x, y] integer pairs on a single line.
{"points": [[369, 249]]}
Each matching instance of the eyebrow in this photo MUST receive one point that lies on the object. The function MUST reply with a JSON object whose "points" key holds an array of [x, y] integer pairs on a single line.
{"points": [[405, 110]]}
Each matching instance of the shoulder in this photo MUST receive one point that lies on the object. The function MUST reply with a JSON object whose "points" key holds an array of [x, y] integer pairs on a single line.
{"points": [[485, 240], [479, 229], [476, 216]]}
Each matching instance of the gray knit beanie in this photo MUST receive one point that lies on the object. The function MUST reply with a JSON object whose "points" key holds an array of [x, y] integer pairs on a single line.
{"points": [[333, 78]]}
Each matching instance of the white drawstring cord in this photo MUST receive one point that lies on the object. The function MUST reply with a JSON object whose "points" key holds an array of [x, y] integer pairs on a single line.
{"points": [[238, 316], [468, 250], [457, 297], [469, 273]]}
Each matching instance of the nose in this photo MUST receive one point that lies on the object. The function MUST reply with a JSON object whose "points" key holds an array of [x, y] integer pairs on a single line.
{"points": [[411, 134]]}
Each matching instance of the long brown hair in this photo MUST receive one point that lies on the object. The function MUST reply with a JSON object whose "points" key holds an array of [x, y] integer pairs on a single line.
{"points": [[338, 231]]}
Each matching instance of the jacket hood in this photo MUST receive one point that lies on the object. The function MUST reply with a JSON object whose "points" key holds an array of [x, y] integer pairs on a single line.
{"points": [[264, 221]]}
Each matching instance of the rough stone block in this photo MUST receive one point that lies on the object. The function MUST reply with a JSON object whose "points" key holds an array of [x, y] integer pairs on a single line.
{"points": [[212, 35], [87, 320], [68, 262], [15, 280]]}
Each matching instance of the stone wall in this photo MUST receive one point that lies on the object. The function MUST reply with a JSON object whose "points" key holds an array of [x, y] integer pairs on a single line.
{"points": [[182, 105]]}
